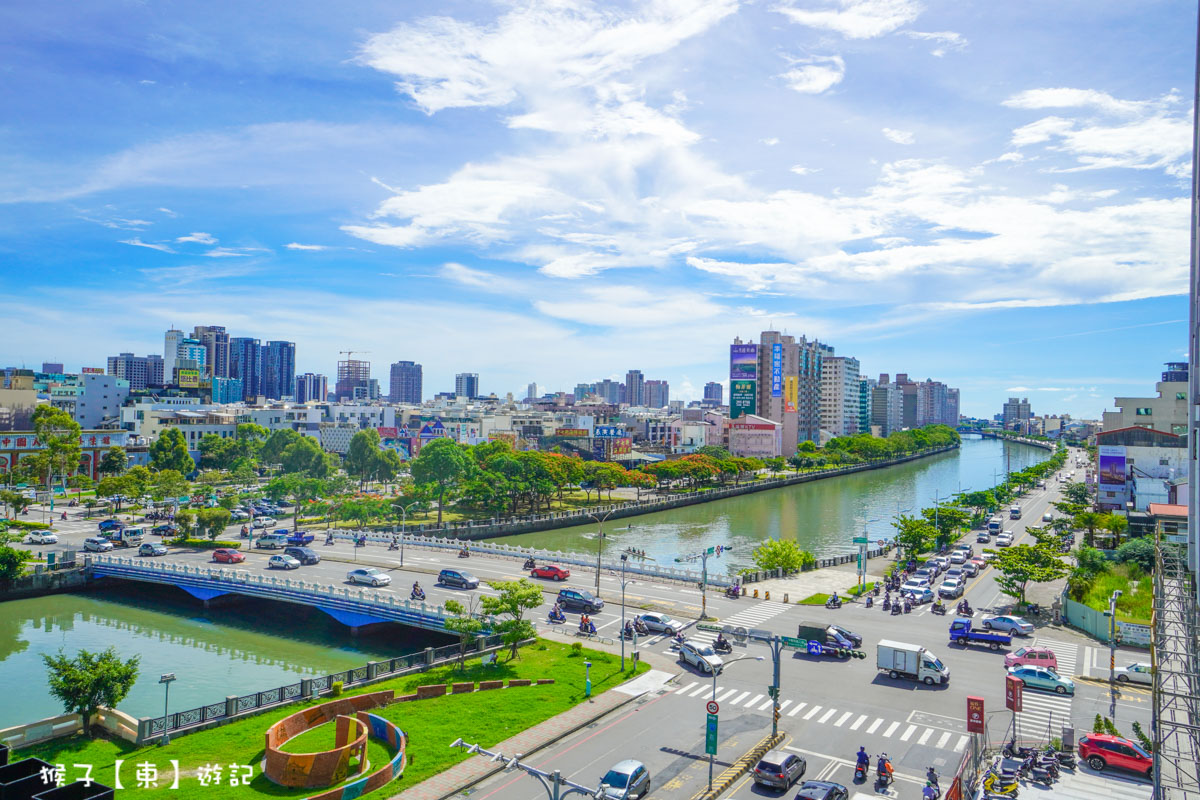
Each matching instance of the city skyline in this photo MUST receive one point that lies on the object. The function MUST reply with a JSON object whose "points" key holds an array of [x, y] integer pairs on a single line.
{"points": [[871, 174]]}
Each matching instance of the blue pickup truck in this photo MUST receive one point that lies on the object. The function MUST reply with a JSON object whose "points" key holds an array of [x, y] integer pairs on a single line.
{"points": [[299, 538], [962, 633]]}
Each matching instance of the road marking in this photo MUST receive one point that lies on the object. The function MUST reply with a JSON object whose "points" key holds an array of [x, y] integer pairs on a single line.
{"points": [[942, 741], [699, 691], [891, 729], [810, 714], [924, 736], [842, 719], [827, 715], [962, 742], [753, 700], [766, 705], [858, 722], [878, 721], [737, 700], [904, 736], [686, 688], [726, 695], [784, 705], [796, 710]]}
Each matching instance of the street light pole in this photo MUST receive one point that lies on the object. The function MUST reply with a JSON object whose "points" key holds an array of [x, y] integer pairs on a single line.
{"points": [[552, 782], [404, 525], [1112, 639], [600, 546], [624, 560], [712, 756], [165, 680]]}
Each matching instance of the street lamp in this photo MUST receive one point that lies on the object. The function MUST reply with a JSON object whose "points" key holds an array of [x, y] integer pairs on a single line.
{"points": [[600, 546], [1112, 638], [165, 679], [724, 666], [552, 782], [587, 679], [403, 524]]}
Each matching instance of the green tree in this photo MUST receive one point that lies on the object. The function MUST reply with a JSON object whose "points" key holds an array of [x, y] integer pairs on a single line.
{"points": [[713, 451], [90, 681], [170, 451], [463, 623], [513, 600], [362, 457], [185, 519], [59, 435], [12, 564], [1076, 492], [137, 480], [1139, 551], [1116, 525], [782, 554], [441, 464], [112, 486], [211, 522], [1018, 566], [216, 452], [914, 535], [305, 456], [949, 521], [114, 461], [1089, 520], [272, 450], [167, 483]]}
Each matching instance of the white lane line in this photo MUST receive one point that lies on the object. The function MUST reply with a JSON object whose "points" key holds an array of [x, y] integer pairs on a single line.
{"points": [[737, 700], [925, 736], [891, 729], [904, 736], [827, 715], [810, 714], [962, 742], [858, 722], [842, 719], [945, 737], [796, 710], [878, 721], [753, 700], [766, 705], [721, 698], [703, 689], [691, 685], [784, 705]]}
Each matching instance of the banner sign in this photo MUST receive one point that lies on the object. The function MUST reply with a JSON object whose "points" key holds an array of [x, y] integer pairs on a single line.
{"points": [[1112, 467], [608, 432], [975, 715], [573, 433], [777, 369], [622, 447], [598, 449], [742, 398], [1012, 692], [743, 362], [791, 394], [188, 378], [92, 371]]}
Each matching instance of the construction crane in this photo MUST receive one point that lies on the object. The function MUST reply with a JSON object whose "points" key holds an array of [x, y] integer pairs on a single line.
{"points": [[349, 353]]}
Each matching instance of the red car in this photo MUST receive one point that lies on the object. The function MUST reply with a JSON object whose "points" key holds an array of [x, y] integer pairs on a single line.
{"points": [[226, 556], [1103, 750], [550, 571]]}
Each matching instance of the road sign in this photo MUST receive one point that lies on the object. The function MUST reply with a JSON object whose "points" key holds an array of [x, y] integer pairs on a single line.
{"points": [[975, 715], [797, 644], [1013, 687], [710, 736], [814, 647], [712, 706], [859, 540], [711, 550]]}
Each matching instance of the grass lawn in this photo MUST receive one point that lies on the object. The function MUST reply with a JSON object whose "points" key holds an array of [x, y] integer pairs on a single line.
{"points": [[431, 725], [817, 599], [856, 590], [323, 737], [1137, 593]]}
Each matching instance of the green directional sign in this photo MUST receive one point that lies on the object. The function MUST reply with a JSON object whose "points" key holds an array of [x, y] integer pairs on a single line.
{"points": [[712, 550], [710, 736], [797, 644], [859, 540]]}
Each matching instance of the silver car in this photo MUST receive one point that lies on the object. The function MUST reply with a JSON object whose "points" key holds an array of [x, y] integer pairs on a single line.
{"points": [[779, 770], [661, 623], [97, 544], [368, 575], [626, 779], [701, 656], [1137, 672]]}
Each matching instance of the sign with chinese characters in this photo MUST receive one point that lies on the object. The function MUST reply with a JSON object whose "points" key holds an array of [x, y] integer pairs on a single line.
{"points": [[92, 371], [742, 398], [572, 433], [622, 447], [974, 714], [791, 394], [188, 378], [1012, 692], [743, 362], [777, 369], [710, 735], [608, 432]]}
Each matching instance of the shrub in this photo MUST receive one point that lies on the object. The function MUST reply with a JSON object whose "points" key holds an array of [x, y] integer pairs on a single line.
{"points": [[576, 650], [1098, 724], [1110, 728], [205, 544], [1144, 740], [335, 689], [1136, 551], [23, 525]]}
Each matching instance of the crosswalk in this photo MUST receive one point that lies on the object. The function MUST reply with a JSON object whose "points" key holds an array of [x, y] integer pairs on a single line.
{"points": [[750, 617], [1042, 713], [1066, 653], [1083, 784], [794, 713]]}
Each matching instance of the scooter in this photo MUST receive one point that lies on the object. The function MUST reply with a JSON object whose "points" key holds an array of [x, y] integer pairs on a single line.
{"points": [[1035, 773], [723, 646], [907, 606], [328, 540], [884, 774], [1065, 758], [860, 771], [589, 629], [1011, 750], [997, 784], [870, 601], [393, 546], [557, 619], [733, 592], [641, 628], [897, 608], [875, 591], [931, 780], [417, 594], [529, 564], [464, 553], [833, 602], [938, 608]]}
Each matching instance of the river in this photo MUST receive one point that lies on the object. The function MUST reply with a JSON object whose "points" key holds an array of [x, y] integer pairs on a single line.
{"points": [[822, 516], [236, 649]]}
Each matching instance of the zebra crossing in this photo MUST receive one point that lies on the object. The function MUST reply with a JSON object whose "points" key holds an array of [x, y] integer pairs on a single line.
{"points": [[1066, 653], [750, 617], [816, 714], [1043, 714]]}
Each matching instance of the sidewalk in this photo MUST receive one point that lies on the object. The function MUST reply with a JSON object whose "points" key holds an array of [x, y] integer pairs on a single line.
{"points": [[462, 776], [826, 580]]}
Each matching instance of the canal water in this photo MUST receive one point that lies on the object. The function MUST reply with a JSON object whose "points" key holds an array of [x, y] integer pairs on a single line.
{"points": [[821, 516], [235, 649]]}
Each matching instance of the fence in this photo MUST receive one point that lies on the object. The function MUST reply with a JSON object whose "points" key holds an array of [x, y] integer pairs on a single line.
{"points": [[235, 706], [1097, 624]]}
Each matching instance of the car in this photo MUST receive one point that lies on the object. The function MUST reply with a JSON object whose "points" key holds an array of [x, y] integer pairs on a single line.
{"points": [[579, 599], [779, 770], [1005, 622], [627, 779], [152, 549], [926, 574], [979, 561], [1041, 484], [305, 555], [1004, 540], [951, 587], [982, 537], [271, 541], [41, 537], [111, 524], [263, 522], [1034, 656], [821, 790], [701, 656], [958, 557], [550, 571], [166, 529], [920, 593], [97, 544], [661, 623], [849, 635], [283, 562], [966, 548], [371, 576], [1103, 750], [458, 577], [298, 538], [1042, 678], [1137, 672], [941, 562], [987, 557], [970, 568], [1047, 517], [224, 555], [239, 515], [955, 572]]}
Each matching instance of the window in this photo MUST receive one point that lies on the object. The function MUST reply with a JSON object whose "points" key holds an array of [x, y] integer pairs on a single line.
{"points": [[1144, 412], [1163, 462], [1181, 395]]}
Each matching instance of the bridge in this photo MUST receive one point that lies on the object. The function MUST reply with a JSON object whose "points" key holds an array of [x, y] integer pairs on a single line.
{"points": [[350, 606]]}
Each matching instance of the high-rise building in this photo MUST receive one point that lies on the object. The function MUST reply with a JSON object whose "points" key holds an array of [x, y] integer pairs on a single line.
{"points": [[1167, 412], [466, 384], [933, 404], [279, 369], [714, 392], [887, 406], [583, 390], [610, 391], [784, 375], [226, 390], [216, 346], [635, 387], [139, 371], [310, 386], [405, 383], [952, 412], [245, 364], [191, 362], [351, 373], [171, 340], [839, 402], [1016, 414], [656, 394], [531, 391], [865, 385], [52, 367]]}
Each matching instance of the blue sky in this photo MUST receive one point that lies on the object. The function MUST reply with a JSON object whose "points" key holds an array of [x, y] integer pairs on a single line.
{"points": [[989, 194]]}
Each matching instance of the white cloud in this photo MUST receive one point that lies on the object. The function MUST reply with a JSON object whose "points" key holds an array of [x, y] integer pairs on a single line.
{"points": [[168, 212], [298, 246], [854, 19], [946, 40], [199, 237], [1074, 98], [233, 252], [631, 306], [1017, 389], [800, 169], [899, 137], [137, 242], [815, 75], [478, 279], [770, 142]]}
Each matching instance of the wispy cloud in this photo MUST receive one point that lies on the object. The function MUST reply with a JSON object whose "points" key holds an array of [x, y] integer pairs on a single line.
{"points": [[233, 252], [298, 246], [137, 242], [177, 277], [815, 74], [199, 237], [854, 19], [899, 137], [168, 212], [945, 40]]}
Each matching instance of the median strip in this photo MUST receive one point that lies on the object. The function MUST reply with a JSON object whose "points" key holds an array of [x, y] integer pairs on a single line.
{"points": [[738, 768]]}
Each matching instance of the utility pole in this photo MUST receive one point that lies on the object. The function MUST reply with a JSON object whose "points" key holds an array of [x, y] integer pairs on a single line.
{"points": [[600, 544]]}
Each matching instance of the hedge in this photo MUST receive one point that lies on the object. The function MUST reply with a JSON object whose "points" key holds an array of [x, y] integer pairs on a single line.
{"points": [[22, 525], [206, 544]]}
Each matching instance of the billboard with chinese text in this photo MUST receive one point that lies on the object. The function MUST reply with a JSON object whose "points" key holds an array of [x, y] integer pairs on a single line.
{"points": [[573, 433], [1112, 467], [622, 447], [743, 362], [742, 398], [791, 394], [189, 378], [777, 369]]}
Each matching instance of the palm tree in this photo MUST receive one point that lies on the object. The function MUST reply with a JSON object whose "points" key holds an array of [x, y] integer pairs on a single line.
{"points": [[1116, 525], [1090, 520]]}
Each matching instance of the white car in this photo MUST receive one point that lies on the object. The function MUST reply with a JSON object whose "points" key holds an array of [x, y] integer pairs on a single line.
{"points": [[970, 568], [283, 562], [1004, 540], [942, 562], [701, 656], [97, 544], [661, 623], [982, 537], [263, 522], [958, 556], [369, 575], [41, 537], [951, 587], [1047, 517], [919, 591], [1137, 672]]}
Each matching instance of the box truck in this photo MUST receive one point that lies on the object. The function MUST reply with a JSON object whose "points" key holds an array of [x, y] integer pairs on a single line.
{"points": [[898, 660]]}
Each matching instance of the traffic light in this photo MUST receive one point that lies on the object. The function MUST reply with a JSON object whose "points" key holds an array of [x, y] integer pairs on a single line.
{"points": [[773, 692]]}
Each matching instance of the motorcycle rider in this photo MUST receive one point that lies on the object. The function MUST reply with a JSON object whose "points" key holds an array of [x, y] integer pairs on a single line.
{"points": [[884, 767], [864, 760], [628, 629], [417, 591], [722, 643], [557, 613]]}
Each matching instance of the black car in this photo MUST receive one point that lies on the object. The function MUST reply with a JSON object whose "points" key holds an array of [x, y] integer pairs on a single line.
{"points": [[580, 599], [165, 530], [457, 577], [305, 555], [822, 790], [849, 635]]}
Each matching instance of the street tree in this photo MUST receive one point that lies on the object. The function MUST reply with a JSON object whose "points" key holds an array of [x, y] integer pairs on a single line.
{"points": [[90, 681], [1018, 566], [513, 600], [114, 461], [465, 624], [305, 456], [441, 464], [211, 522], [782, 554], [1089, 521], [59, 435], [185, 520], [170, 451], [272, 450], [913, 534], [1076, 492], [167, 483], [12, 562], [948, 521], [362, 455], [713, 451]]}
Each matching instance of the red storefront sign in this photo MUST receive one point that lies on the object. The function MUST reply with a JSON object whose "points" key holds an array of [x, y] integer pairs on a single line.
{"points": [[975, 715], [1012, 692]]}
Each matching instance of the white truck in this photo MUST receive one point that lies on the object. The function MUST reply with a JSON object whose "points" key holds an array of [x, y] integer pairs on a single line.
{"points": [[898, 660], [994, 525]]}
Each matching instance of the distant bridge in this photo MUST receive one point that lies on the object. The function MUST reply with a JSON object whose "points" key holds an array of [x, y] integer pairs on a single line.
{"points": [[354, 607]]}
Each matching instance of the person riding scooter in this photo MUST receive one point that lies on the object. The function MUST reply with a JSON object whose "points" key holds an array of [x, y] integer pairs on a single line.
{"points": [[586, 625], [464, 553], [733, 592], [870, 601], [722, 645], [529, 563], [417, 592], [557, 615], [884, 769], [640, 627], [863, 764]]}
